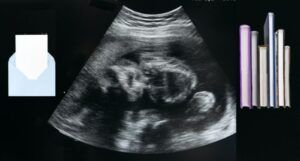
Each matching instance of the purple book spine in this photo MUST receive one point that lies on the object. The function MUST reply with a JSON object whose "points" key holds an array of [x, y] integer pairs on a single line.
{"points": [[245, 66]]}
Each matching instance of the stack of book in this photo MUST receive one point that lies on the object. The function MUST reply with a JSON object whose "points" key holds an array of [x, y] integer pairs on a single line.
{"points": [[264, 69]]}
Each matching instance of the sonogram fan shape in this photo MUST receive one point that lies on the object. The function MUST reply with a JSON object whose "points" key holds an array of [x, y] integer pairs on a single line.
{"points": [[151, 86]]}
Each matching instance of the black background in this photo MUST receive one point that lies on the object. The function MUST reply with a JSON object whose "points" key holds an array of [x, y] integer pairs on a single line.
{"points": [[75, 28]]}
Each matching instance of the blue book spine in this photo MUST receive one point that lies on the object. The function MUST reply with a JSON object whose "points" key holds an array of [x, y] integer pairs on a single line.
{"points": [[269, 40]]}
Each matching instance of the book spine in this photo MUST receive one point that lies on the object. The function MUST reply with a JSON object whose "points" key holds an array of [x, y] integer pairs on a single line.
{"points": [[276, 69], [245, 66], [280, 36], [275, 73], [254, 63], [287, 62], [269, 41], [263, 76]]}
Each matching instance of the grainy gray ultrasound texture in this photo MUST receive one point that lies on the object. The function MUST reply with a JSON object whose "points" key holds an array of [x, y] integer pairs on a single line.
{"points": [[151, 86]]}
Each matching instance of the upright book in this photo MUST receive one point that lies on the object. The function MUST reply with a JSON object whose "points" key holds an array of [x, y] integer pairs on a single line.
{"points": [[280, 53], [255, 67], [245, 66], [269, 41], [263, 77], [287, 62]]}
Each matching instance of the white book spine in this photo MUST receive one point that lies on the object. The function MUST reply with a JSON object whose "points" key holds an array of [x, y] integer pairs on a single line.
{"points": [[280, 49], [263, 76], [287, 62], [276, 69], [254, 63]]}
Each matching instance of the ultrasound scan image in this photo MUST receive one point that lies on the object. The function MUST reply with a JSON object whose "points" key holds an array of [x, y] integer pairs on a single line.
{"points": [[151, 86]]}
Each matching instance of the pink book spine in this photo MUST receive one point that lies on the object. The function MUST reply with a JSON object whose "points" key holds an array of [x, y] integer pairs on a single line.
{"points": [[245, 66]]}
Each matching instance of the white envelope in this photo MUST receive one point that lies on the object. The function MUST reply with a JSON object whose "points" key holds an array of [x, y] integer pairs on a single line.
{"points": [[20, 85]]}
